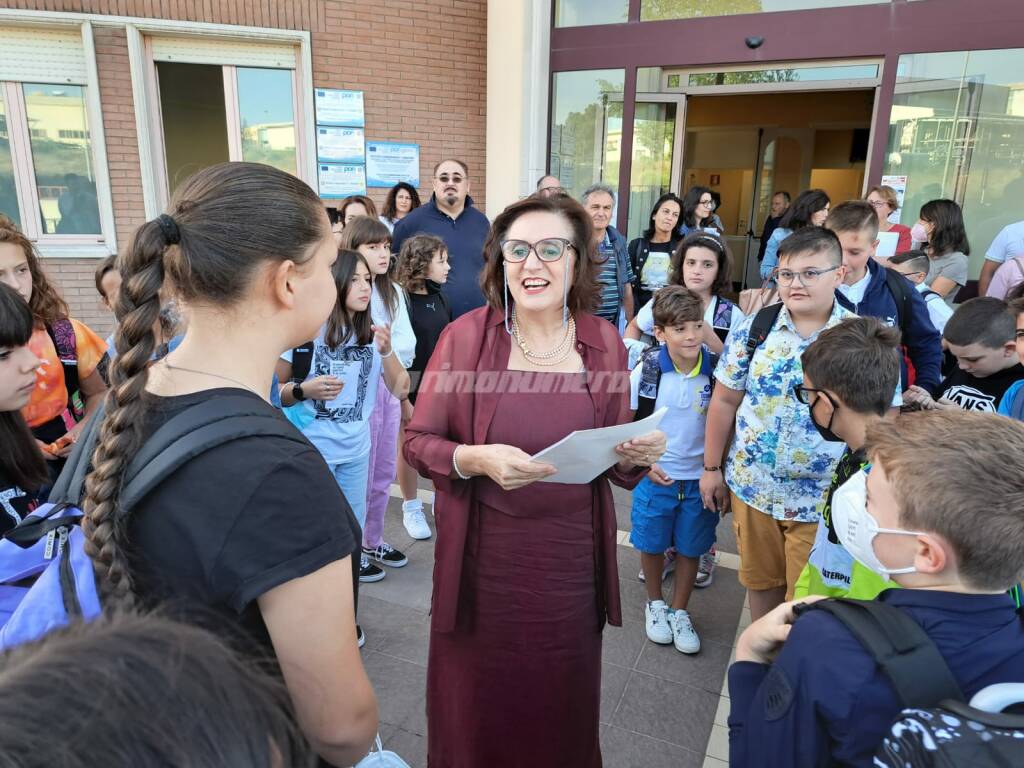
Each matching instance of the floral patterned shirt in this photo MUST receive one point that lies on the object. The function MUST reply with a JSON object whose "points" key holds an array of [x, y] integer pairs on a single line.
{"points": [[778, 463]]}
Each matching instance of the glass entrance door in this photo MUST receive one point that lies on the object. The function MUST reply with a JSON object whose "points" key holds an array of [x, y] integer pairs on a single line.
{"points": [[654, 169]]}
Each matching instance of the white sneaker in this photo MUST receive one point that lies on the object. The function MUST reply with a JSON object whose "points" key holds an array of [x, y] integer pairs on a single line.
{"points": [[684, 636], [414, 520], [658, 628]]}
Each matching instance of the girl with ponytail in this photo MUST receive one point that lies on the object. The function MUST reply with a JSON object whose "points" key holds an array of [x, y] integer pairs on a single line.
{"points": [[251, 529], [22, 468]]}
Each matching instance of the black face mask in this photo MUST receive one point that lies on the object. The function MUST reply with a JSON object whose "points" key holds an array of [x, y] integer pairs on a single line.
{"points": [[825, 431]]}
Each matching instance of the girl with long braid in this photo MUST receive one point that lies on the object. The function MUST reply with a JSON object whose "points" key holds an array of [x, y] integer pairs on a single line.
{"points": [[255, 531]]}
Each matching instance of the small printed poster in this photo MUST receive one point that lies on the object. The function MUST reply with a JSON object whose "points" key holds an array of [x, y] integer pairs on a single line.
{"points": [[340, 108], [388, 163], [339, 145], [898, 183], [347, 371], [341, 179]]}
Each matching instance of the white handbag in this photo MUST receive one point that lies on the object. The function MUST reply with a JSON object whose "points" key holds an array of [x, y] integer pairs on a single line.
{"points": [[381, 758]]}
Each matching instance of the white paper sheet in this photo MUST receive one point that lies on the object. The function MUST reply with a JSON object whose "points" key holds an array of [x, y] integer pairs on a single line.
{"points": [[348, 372], [887, 242], [586, 453]]}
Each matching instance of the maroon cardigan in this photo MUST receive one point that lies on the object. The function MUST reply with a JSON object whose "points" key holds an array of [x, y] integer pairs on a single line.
{"points": [[450, 412]]}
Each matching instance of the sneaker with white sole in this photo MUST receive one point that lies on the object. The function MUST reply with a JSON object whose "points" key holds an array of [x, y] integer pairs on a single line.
{"points": [[385, 554], [705, 569], [360, 637], [414, 520], [659, 630], [684, 636], [666, 569], [368, 572]]}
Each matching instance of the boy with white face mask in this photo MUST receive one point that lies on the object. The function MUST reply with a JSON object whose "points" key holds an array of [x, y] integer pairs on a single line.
{"points": [[951, 537], [850, 374]]}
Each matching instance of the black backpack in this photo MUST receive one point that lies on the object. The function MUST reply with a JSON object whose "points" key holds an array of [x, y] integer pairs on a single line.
{"points": [[937, 727]]}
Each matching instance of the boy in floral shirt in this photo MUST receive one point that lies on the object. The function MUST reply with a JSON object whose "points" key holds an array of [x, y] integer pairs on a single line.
{"points": [[780, 463]]}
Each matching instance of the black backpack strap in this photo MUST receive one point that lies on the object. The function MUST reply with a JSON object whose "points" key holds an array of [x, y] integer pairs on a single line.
{"points": [[302, 362], [762, 325], [900, 648], [900, 289]]}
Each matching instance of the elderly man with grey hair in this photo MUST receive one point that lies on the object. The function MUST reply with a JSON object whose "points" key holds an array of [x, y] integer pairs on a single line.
{"points": [[616, 275]]}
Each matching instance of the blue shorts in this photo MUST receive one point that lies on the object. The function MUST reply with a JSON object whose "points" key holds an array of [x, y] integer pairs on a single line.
{"points": [[667, 515]]}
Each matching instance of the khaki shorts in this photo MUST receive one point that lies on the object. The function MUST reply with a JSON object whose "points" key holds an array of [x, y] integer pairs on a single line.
{"points": [[772, 552]]}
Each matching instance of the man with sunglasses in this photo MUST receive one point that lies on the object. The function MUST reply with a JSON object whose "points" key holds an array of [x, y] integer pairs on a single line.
{"points": [[779, 466], [450, 215]]}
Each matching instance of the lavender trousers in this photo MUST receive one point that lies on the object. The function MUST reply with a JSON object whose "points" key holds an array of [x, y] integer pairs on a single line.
{"points": [[384, 423]]}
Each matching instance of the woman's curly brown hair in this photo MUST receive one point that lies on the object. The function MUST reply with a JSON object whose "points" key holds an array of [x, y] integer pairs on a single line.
{"points": [[46, 304], [414, 260]]}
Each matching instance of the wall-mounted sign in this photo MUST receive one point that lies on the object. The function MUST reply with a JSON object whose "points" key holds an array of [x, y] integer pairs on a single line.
{"points": [[339, 145], [898, 183], [388, 163], [335, 107], [341, 179]]}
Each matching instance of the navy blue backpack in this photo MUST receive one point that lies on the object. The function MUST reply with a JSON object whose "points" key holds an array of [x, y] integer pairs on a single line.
{"points": [[47, 546]]}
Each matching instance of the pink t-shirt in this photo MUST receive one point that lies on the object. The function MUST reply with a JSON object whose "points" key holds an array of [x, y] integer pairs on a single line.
{"points": [[1008, 276]]}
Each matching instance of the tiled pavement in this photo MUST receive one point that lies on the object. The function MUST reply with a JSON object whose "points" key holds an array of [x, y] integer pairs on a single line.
{"points": [[659, 708]]}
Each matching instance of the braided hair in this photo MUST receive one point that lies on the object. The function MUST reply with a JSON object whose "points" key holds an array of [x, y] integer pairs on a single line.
{"points": [[223, 224]]}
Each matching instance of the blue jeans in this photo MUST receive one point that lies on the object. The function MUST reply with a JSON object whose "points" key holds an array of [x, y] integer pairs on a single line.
{"points": [[351, 478]]}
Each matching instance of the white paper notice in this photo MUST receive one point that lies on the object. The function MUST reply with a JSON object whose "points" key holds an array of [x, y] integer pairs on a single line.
{"points": [[348, 372], [584, 454], [887, 242]]}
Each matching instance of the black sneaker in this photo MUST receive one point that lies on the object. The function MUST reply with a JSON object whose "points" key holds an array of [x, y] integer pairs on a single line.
{"points": [[360, 637], [385, 554], [368, 572]]}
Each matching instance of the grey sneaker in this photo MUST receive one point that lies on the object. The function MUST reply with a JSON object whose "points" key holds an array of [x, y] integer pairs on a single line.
{"points": [[659, 629], [706, 569], [684, 636]]}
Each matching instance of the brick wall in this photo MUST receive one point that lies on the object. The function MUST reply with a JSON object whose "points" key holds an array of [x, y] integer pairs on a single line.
{"points": [[420, 63]]}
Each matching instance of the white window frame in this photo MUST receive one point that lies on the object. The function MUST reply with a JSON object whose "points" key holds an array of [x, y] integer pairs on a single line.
{"points": [[98, 245], [148, 118]]}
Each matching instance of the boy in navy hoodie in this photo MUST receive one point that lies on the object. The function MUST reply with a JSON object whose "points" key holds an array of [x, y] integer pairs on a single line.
{"points": [[871, 290], [945, 523]]}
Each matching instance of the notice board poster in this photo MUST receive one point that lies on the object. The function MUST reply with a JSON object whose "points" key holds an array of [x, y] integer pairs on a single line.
{"points": [[339, 108], [388, 163], [341, 179], [340, 142], [898, 183], [339, 145]]}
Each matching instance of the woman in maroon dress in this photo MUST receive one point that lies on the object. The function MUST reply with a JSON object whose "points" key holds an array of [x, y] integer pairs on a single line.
{"points": [[525, 574]]}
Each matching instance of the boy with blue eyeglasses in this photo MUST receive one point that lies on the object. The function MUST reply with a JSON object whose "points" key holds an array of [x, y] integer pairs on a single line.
{"points": [[779, 467]]}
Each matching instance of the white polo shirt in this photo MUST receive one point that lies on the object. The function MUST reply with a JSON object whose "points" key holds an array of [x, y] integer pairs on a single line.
{"points": [[686, 395]]}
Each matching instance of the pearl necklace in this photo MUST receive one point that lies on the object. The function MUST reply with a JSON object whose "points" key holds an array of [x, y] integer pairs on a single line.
{"points": [[553, 357]]}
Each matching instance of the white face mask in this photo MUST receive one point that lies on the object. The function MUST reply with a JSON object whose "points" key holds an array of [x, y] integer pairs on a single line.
{"points": [[856, 528]]}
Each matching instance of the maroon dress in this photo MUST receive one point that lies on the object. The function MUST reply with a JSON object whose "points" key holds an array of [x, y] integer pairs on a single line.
{"points": [[521, 681], [524, 580]]}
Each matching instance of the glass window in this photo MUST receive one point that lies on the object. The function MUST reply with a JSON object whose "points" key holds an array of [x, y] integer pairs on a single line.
{"points": [[654, 128], [8, 192], [786, 75], [577, 13], [586, 130], [956, 130], [654, 10], [266, 115], [62, 158]]}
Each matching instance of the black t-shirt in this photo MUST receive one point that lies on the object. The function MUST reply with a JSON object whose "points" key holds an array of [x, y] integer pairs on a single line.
{"points": [[979, 394], [429, 313], [234, 523], [15, 503]]}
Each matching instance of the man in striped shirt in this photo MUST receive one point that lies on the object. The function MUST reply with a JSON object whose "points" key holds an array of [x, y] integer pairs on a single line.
{"points": [[616, 275]]}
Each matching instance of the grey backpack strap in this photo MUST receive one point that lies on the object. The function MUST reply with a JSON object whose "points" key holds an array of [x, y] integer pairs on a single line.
{"points": [[71, 482]]}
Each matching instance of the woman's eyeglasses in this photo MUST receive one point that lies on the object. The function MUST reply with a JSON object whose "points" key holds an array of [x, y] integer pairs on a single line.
{"points": [[549, 249], [709, 204]]}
